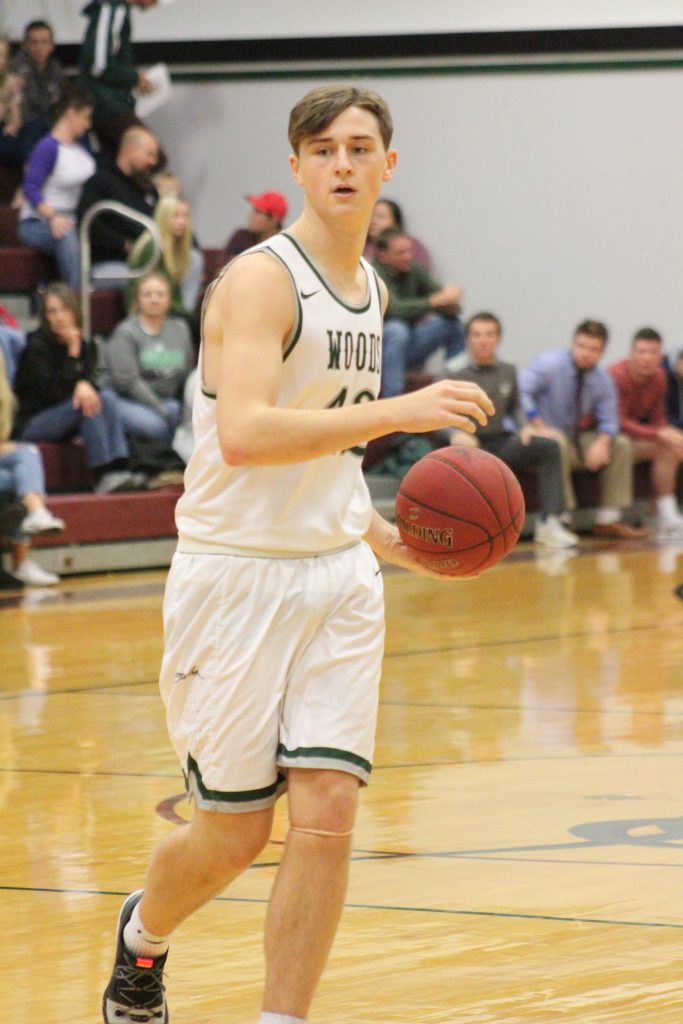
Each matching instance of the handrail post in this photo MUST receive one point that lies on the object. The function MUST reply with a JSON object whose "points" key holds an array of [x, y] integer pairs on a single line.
{"points": [[112, 206]]}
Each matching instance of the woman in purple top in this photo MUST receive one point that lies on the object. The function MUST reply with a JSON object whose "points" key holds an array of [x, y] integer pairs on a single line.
{"points": [[57, 169]]}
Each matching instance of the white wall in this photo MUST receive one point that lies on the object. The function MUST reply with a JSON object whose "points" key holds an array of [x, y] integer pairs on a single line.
{"points": [[550, 197], [248, 19]]}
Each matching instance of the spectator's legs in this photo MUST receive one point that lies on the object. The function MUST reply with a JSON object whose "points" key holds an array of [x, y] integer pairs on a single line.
{"points": [[664, 464], [434, 333], [58, 423], [616, 478], [36, 233], [191, 284], [396, 336], [12, 344], [103, 435], [110, 274], [26, 468], [569, 460], [542, 453], [142, 421]]}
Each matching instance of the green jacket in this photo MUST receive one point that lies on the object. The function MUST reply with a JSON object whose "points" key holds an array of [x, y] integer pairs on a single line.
{"points": [[105, 61], [409, 292]]}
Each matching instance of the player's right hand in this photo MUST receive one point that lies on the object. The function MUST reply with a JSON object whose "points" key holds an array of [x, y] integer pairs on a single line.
{"points": [[458, 404]]}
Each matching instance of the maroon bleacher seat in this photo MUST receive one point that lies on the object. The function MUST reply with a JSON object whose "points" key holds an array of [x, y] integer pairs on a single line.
{"points": [[103, 518]]}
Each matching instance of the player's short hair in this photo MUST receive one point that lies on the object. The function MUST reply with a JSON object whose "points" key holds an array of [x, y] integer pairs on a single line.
{"points": [[484, 318], [594, 329], [319, 107], [647, 334]]}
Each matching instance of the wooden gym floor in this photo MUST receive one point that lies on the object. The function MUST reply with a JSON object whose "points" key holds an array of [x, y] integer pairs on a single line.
{"points": [[518, 855]]}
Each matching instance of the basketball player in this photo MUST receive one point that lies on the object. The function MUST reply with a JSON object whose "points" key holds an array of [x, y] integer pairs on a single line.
{"points": [[273, 610]]}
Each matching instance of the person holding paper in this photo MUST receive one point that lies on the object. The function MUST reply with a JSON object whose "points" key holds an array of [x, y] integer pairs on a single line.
{"points": [[107, 69]]}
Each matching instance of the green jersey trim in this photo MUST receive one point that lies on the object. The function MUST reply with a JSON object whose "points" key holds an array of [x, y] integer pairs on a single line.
{"points": [[240, 796], [352, 309]]}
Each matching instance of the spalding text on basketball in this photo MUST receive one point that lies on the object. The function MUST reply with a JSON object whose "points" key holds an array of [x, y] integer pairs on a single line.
{"points": [[443, 536]]}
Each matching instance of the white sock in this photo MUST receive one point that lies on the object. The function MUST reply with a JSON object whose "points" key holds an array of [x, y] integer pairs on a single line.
{"points": [[607, 516], [667, 510], [279, 1018], [141, 942]]}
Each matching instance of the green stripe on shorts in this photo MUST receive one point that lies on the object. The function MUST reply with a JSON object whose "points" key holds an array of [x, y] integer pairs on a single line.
{"points": [[241, 796], [329, 753]]}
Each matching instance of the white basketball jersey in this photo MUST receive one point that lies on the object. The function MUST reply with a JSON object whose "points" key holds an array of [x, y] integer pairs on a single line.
{"points": [[332, 358]]}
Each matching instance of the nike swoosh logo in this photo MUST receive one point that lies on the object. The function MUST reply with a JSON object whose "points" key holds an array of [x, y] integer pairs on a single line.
{"points": [[307, 295]]}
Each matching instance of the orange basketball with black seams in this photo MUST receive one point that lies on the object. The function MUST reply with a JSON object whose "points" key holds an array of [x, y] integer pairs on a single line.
{"points": [[459, 510]]}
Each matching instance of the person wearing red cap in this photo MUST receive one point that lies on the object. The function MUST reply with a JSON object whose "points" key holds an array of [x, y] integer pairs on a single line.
{"points": [[268, 210]]}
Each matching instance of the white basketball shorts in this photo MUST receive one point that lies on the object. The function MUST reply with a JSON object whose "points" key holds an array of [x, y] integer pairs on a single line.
{"points": [[270, 663]]}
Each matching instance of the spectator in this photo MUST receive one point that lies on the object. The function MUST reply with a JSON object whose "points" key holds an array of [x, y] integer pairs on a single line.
{"points": [[167, 183], [41, 81], [568, 397], [56, 171], [22, 475], [147, 360], [59, 397], [507, 433], [126, 181], [673, 367], [108, 71], [422, 315], [388, 215], [641, 387], [10, 109], [268, 211], [180, 260]]}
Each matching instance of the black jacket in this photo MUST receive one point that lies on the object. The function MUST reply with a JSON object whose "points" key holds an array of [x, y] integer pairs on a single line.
{"points": [[47, 375], [109, 232]]}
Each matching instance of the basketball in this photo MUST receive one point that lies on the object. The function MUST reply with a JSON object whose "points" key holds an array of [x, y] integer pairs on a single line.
{"points": [[459, 510]]}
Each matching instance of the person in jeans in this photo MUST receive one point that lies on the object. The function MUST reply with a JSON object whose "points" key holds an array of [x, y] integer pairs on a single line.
{"points": [[508, 434], [59, 395], [422, 315], [147, 361], [57, 169], [22, 484]]}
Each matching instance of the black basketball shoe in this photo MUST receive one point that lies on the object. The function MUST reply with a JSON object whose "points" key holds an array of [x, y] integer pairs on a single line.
{"points": [[135, 993]]}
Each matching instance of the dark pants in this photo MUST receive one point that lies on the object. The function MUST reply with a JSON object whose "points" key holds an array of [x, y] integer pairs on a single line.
{"points": [[542, 453]]}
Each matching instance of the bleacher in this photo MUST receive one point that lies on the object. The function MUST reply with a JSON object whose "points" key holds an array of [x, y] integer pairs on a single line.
{"points": [[113, 531]]}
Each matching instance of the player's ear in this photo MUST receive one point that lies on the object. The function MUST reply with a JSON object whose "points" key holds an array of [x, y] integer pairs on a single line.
{"points": [[390, 166], [294, 164]]}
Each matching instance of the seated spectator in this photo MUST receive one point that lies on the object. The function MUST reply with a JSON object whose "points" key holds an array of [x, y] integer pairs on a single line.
{"points": [[56, 171], [641, 388], [673, 368], [386, 216], [183, 439], [266, 215], [41, 81], [22, 476], [59, 397], [126, 181], [180, 261], [568, 397], [147, 360], [10, 110], [508, 434], [167, 183], [422, 315], [108, 72]]}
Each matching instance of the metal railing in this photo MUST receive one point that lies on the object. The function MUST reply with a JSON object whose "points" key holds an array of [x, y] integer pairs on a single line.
{"points": [[111, 206]]}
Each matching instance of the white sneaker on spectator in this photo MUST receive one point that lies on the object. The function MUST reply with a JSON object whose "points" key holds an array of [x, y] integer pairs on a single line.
{"points": [[114, 481], [669, 529], [552, 534], [33, 575], [41, 520]]}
